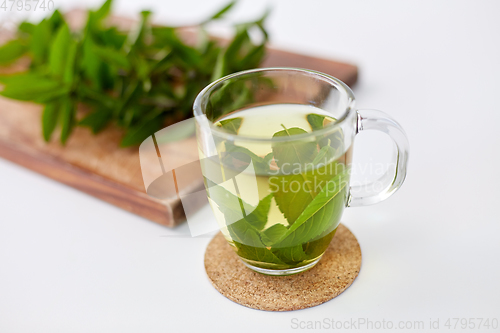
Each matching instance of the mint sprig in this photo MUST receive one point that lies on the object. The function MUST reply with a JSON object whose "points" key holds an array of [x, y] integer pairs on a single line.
{"points": [[140, 81]]}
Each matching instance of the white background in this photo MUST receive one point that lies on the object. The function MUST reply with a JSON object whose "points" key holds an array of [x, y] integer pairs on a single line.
{"points": [[71, 263]]}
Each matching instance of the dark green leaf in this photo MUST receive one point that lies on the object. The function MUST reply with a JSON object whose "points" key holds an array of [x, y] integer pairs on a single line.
{"points": [[318, 246], [67, 114], [129, 98], [221, 12], [245, 232], [272, 234], [104, 10], [138, 37], [56, 20], [254, 57], [291, 254], [220, 68], [97, 120], [113, 37], [234, 49], [112, 56], [138, 134], [96, 97], [50, 116], [94, 69], [256, 251]]}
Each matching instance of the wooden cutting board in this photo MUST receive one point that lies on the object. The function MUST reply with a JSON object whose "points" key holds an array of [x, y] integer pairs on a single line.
{"points": [[95, 164]]}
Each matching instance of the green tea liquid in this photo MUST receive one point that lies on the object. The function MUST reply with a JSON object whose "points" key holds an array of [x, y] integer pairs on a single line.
{"points": [[292, 201]]}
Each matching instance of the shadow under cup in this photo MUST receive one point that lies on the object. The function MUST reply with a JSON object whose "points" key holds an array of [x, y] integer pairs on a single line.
{"points": [[278, 193]]}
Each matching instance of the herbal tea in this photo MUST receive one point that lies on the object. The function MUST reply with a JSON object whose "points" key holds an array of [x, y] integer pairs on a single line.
{"points": [[279, 201]]}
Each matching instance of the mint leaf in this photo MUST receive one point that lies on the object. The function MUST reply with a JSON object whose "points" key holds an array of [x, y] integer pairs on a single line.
{"points": [[239, 157], [141, 132], [292, 156], [104, 10], [40, 42], [316, 121], [49, 119], [67, 114], [97, 120], [316, 247], [291, 255], [231, 125], [56, 20], [296, 188], [20, 78], [221, 12], [58, 49], [272, 234], [112, 56], [258, 217], [325, 155], [69, 66], [291, 195], [336, 137], [258, 252], [41, 90], [323, 213], [220, 67], [11, 51], [256, 220], [245, 232]]}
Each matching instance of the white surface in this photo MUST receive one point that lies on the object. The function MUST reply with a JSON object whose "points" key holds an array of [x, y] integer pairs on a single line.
{"points": [[71, 263]]}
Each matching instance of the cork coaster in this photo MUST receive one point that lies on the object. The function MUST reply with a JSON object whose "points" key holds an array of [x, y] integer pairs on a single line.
{"points": [[333, 274]]}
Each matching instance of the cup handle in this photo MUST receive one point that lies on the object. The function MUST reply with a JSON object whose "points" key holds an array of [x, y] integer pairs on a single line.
{"points": [[368, 194]]}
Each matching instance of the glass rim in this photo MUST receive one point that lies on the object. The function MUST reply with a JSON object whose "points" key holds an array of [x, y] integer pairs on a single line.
{"points": [[341, 86]]}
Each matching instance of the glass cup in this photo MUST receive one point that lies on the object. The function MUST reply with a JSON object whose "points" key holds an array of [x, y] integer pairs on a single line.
{"points": [[275, 148]]}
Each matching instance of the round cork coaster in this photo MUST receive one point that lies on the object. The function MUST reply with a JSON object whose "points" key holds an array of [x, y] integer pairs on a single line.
{"points": [[333, 274]]}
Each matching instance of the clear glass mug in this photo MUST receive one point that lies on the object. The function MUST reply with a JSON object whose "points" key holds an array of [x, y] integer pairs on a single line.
{"points": [[277, 177]]}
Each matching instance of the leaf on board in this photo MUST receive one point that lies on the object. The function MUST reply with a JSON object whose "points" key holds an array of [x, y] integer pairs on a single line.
{"points": [[11, 51], [50, 116], [58, 51], [37, 88], [136, 135], [67, 118], [97, 120], [40, 42], [220, 13]]}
